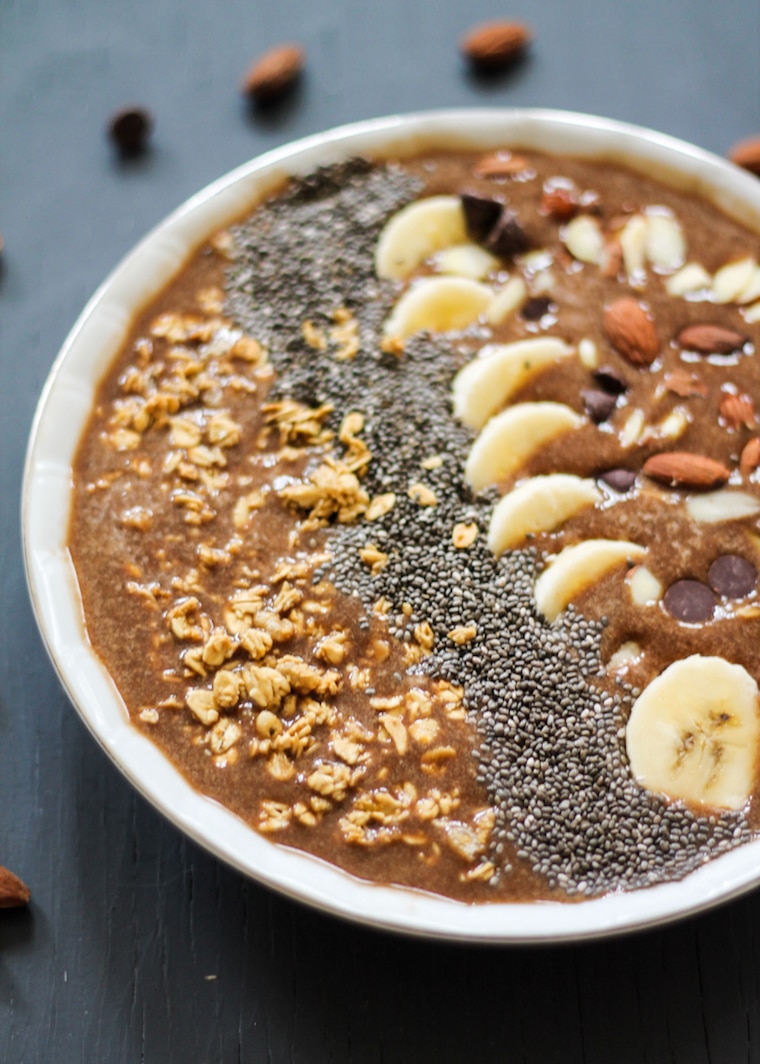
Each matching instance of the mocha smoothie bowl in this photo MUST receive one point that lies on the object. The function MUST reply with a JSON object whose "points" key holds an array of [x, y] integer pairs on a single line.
{"points": [[414, 520]]}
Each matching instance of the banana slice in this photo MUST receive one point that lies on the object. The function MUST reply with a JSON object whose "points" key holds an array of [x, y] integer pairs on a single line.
{"points": [[465, 260], [693, 733], [512, 436], [416, 232], [438, 304], [541, 504], [575, 568], [486, 383]]}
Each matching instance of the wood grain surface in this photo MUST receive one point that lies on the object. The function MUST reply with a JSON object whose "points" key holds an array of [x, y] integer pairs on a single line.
{"points": [[139, 947]]}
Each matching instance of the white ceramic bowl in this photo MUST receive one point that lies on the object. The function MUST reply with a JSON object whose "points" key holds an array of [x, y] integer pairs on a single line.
{"points": [[60, 420]]}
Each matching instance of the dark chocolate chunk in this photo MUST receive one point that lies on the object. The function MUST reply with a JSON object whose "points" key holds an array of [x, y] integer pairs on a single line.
{"points": [[612, 381], [619, 479], [480, 215], [507, 238], [535, 308], [689, 601], [130, 129], [732, 576], [598, 404]]}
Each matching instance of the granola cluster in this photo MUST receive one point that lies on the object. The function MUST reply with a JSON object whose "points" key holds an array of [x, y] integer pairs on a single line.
{"points": [[260, 666]]}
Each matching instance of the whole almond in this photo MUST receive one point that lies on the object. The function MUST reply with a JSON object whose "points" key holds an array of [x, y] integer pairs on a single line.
{"points": [[747, 154], [13, 892], [707, 339], [737, 410], [494, 45], [273, 73], [680, 469], [631, 331], [750, 458]]}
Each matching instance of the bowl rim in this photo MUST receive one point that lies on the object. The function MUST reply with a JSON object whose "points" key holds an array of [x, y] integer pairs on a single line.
{"points": [[84, 356]]}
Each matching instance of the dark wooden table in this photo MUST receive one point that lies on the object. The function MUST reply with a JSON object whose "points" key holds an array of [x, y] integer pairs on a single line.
{"points": [[137, 945]]}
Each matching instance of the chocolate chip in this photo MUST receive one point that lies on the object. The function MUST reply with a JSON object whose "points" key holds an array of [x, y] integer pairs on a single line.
{"points": [[598, 405], [507, 238], [129, 129], [480, 215], [689, 601], [535, 308], [732, 576], [612, 381], [619, 479]]}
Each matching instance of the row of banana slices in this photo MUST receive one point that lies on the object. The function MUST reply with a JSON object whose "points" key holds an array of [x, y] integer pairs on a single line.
{"points": [[433, 231], [694, 733]]}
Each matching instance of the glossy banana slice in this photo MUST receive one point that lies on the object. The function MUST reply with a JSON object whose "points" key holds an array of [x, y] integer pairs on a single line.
{"points": [[511, 437], [486, 383], [540, 504], [576, 568], [438, 304], [693, 733], [465, 260], [416, 232]]}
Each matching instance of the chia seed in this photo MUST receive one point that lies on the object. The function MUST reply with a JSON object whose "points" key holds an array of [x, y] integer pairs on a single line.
{"points": [[552, 754]]}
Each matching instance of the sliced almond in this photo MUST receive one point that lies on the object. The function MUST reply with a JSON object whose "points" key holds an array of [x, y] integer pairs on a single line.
{"points": [[685, 384], [681, 469], [633, 240], [665, 244], [723, 505], [690, 278], [583, 239], [732, 279]]}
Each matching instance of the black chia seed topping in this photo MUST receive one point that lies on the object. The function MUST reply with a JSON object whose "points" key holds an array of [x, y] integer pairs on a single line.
{"points": [[552, 725]]}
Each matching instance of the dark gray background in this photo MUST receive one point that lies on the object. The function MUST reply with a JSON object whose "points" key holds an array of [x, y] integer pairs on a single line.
{"points": [[138, 946]]}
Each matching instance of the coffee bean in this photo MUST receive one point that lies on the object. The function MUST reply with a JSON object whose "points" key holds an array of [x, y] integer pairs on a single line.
{"points": [[732, 576], [535, 308], [598, 404], [129, 129], [689, 601], [507, 238], [609, 379], [480, 215], [621, 480]]}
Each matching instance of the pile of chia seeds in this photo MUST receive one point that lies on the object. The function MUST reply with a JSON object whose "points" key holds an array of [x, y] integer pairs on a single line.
{"points": [[552, 751]]}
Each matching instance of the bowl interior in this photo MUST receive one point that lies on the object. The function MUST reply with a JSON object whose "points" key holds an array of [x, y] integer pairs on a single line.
{"points": [[61, 417]]}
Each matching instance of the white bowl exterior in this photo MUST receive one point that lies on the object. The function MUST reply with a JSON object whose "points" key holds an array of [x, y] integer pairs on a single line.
{"points": [[60, 420]]}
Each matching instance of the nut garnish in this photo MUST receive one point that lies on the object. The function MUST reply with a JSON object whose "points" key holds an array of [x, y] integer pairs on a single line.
{"points": [[685, 384], [680, 469], [746, 153], [707, 339], [631, 331], [13, 891], [500, 164], [494, 45], [274, 73], [464, 534], [737, 411], [750, 457]]}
